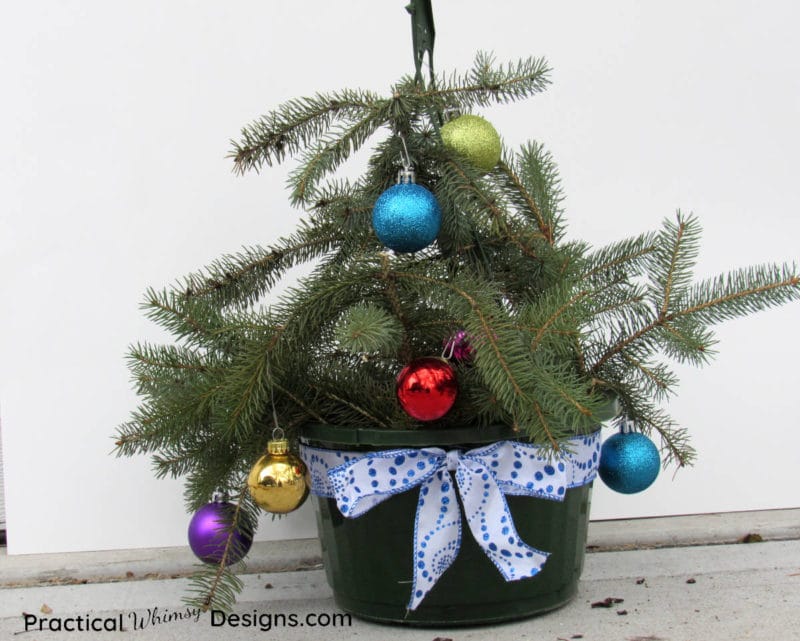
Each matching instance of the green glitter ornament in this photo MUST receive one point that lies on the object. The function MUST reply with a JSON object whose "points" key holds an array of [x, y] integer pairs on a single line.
{"points": [[473, 138]]}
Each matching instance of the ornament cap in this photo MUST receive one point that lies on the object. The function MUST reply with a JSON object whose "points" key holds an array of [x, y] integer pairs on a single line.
{"points": [[406, 176], [451, 113], [278, 446]]}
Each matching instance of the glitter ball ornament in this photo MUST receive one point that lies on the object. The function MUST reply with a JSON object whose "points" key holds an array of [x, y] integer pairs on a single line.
{"points": [[406, 217], [629, 462], [427, 388], [208, 533], [458, 348], [475, 139], [277, 481]]}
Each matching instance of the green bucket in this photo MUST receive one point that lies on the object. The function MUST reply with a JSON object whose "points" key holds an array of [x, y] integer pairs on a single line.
{"points": [[369, 559]]}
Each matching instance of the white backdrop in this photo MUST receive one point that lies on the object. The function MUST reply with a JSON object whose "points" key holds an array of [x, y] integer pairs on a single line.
{"points": [[115, 122]]}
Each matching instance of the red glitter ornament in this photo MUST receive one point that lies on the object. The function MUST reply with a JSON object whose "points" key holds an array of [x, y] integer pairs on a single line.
{"points": [[427, 388]]}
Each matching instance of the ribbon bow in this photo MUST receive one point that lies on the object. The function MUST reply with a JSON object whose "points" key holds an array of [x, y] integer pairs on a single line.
{"points": [[483, 476]]}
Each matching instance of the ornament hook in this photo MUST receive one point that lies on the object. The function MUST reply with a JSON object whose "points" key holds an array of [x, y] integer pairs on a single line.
{"points": [[449, 349], [272, 391], [406, 175]]}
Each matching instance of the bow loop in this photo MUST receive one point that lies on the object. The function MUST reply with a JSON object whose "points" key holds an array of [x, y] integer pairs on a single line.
{"points": [[360, 484]]}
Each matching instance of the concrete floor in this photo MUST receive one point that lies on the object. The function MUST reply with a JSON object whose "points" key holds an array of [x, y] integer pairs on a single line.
{"points": [[725, 591]]}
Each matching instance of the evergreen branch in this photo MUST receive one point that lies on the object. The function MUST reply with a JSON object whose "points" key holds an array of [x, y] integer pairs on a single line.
{"points": [[620, 346], [299, 403], [673, 264], [690, 341], [575, 403], [161, 308], [356, 408], [469, 185], [628, 298], [488, 334], [295, 124], [390, 290], [132, 437], [545, 424], [176, 463], [742, 292], [156, 422], [167, 357], [554, 316], [626, 255], [659, 378], [670, 266], [367, 328], [225, 277], [541, 331], [331, 152], [250, 397], [485, 83], [530, 179], [331, 286], [545, 229]]}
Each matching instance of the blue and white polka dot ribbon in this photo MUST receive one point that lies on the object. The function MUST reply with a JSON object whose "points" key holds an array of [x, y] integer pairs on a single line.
{"points": [[359, 481]]}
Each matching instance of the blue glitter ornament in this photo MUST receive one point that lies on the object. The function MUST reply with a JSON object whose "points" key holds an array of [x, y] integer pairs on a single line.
{"points": [[629, 462], [406, 217]]}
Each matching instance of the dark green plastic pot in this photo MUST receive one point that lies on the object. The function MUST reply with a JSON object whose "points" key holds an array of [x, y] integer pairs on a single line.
{"points": [[368, 560]]}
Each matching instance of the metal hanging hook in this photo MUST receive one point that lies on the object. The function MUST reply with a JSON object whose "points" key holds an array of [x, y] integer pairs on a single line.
{"points": [[406, 175], [449, 348], [405, 158], [272, 392]]}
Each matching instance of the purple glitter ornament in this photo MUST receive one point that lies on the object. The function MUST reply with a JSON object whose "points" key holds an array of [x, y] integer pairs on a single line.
{"points": [[457, 348], [208, 533]]}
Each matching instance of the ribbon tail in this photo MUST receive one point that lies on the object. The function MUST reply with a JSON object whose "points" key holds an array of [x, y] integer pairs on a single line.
{"points": [[491, 524], [437, 534]]}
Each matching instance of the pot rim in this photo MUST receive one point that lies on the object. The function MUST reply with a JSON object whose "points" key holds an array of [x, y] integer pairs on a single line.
{"points": [[336, 436]]}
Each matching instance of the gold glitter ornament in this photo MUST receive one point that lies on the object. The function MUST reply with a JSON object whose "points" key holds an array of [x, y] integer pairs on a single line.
{"points": [[277, 481], [475, 139]]}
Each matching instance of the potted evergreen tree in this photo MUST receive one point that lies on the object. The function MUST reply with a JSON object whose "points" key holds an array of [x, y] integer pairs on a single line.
{"points": [[441, 375]]}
